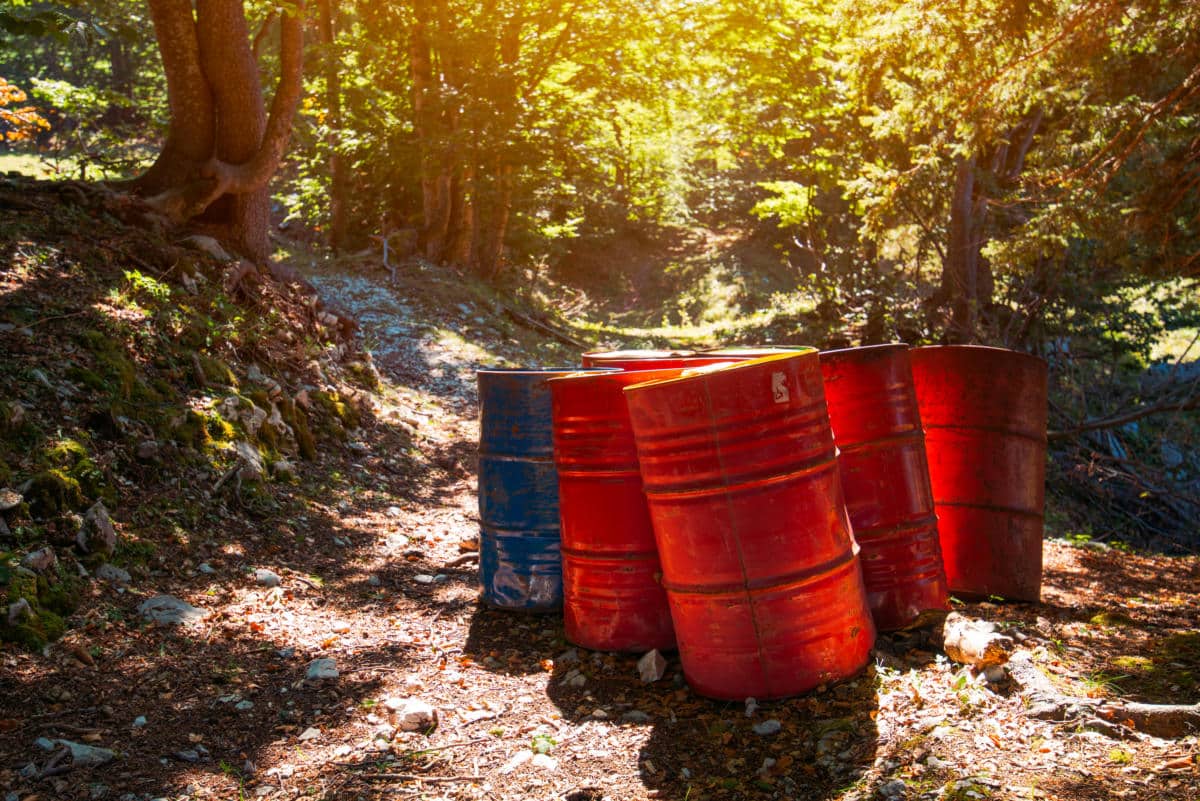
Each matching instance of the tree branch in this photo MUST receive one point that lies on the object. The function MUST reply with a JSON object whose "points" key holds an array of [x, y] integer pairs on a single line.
{"points": [[1187, 404]]}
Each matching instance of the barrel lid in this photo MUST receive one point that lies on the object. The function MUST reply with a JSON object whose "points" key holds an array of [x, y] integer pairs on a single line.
{"points": [[864, 352]]}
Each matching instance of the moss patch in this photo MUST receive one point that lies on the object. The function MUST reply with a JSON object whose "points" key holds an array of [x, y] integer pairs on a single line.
{"points": [[53, 492], [47, 604]]}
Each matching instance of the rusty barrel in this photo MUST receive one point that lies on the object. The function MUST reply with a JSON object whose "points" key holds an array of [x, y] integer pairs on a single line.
{"points": [[613, 599], [984, 412], [885, 478], [519, 565], [675, 359], [758, 562]]}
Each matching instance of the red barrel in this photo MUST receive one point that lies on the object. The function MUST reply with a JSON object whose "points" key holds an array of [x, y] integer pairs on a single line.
{"points": [[984, 411], [881, 456], [613, 599], [758, 562]]}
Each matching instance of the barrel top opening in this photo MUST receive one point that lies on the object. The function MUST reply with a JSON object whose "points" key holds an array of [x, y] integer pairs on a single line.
{"points": [[981, 349], [864, 352], [542, 371], [696, 372]]}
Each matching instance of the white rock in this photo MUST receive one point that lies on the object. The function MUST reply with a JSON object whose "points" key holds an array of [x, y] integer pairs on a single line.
{"points": [[652, 666], [267, 578], [139, 721], [206, 244], [167, 610], [767, 728], [310, 734], [423, 578], [394, 511], [518, 759], [751, 707], [544, 761], [322, 669], [415, 715]]}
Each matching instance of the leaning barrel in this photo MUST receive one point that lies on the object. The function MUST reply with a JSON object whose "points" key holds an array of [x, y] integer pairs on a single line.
{"points": [[885, 478], [984, 411], [758, 562], [613, 599], [519, 564]]}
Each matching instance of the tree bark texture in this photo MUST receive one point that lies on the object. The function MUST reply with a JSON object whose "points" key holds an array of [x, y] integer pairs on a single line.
{"points": [[222, 147], [333, 105], [468, 177]]}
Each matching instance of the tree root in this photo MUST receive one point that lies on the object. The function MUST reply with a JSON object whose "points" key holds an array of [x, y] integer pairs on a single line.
{"points": [[1116, 719]]}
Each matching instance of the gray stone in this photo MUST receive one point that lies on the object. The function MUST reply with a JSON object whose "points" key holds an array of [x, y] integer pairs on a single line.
{"points": [[97, 534], [19, 611], [322, 669], [30, 771], [41, 560], [282, 469], [253, 469], [139, 721], [635, 716], [244, 706], [206, 568], [87, 756], [893, 789], [767, 728], [310, 734], [113, 574], [267, 578], [147, 451], [44, 743], [167, 610], [188, 755], [12, 797]]}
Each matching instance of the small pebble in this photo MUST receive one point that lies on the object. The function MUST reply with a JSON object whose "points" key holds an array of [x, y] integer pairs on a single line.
{"points": [[767, 728], [267, 578], [244, 706], [139, 721]]}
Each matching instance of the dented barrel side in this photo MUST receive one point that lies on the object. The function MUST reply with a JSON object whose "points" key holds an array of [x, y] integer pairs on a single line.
{"points": [[519, 561], [613, 599], [744, 495], [985, 411], [885, 478]]}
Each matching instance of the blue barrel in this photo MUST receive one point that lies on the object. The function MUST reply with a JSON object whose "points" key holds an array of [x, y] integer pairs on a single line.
{"points": [[519, 562]]}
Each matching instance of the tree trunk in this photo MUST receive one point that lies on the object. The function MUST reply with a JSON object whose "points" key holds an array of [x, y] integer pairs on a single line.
{"points": [[333, 105], [222, 148], [960, 268]]}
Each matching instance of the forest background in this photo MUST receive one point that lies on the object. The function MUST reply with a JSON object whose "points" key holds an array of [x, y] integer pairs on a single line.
{"points": [[669, 172]]}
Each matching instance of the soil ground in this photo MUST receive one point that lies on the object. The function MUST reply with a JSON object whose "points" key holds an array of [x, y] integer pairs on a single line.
{"points": [[370, 546]]}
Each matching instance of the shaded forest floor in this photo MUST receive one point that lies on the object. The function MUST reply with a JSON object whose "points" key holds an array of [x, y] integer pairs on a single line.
{"points": [[367, 538]]}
